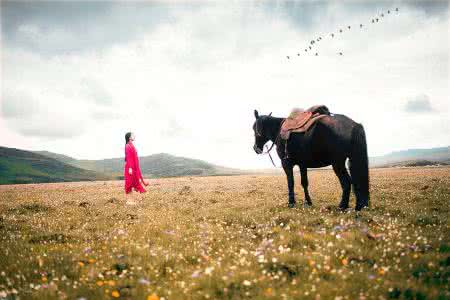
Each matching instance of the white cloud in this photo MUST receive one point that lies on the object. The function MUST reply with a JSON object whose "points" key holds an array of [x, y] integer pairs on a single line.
{"points": [[419, 104], [29, 31], [189, 86], [17, 104], [42, 114]]}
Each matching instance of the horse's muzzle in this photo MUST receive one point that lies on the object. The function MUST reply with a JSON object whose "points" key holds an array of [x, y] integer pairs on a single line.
{"points": [[257, 150]]}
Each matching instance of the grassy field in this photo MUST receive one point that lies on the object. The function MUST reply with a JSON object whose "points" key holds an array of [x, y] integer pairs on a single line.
{"points": [[227, 238]]}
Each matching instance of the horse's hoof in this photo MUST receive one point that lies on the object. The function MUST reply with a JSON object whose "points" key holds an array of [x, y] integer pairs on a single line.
{"points": [[291, 205], [342, 208], [307, 205], [358, 209], [361, 207]]}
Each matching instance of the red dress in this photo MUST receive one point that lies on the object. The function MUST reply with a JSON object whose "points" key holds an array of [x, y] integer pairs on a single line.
{"points": [[132, 161]]}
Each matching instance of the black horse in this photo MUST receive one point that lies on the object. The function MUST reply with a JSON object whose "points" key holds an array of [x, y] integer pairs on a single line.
{"points": [[329, 141]]}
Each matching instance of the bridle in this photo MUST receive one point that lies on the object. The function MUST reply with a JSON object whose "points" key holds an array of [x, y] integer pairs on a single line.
{"points": [[273, 143], [268, 152]]}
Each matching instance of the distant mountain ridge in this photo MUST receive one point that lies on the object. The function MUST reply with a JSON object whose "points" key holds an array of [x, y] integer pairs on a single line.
{"points": [[433, 155], [166, 165], [21, 166], [155, 165], [61, 157], [416, 163]]}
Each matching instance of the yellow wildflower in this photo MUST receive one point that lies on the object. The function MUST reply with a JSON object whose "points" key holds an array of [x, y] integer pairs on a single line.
{"points": [[115, 294], [152, 297]]}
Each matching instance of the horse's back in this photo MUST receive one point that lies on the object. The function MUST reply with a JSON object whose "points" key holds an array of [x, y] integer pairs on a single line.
{"points": [[339, 126], [326, 141]]}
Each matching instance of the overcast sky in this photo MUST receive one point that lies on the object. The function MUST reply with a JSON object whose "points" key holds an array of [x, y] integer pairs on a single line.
{"points": [[186, 76]]}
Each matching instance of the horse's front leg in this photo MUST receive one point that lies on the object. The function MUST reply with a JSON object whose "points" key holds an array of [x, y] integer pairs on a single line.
{"points": [[288, 169], [304, 175]]}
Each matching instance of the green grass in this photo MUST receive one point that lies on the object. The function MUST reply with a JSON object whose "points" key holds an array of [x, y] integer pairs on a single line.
{"points": [[228, 238]]}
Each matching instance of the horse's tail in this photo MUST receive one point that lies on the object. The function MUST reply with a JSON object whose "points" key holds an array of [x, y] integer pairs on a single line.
{"points": [[359, 166]]}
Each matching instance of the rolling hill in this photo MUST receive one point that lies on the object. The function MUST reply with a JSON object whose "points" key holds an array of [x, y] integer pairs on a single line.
{"points": [[166, 165], [156, 165], [416, 163], [20, 166], [408, 157]]}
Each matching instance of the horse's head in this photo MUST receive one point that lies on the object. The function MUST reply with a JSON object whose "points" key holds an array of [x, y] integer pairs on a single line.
{"points": [[261, 137]]}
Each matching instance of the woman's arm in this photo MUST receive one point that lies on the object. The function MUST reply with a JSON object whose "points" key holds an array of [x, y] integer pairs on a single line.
{"points": [[137, 167]]}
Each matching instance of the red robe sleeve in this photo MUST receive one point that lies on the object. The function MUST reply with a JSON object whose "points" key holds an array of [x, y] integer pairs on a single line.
{"points": [[137, 167]]}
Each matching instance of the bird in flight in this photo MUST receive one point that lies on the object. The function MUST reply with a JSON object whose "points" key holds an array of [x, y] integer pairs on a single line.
{"points": [[341, 30]]}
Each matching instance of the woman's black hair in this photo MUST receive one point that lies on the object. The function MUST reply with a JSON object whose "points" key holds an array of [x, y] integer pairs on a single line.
{"points": [[127, 139]]}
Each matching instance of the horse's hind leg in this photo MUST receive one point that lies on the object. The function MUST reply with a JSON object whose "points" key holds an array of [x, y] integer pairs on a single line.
{"points": [[304, 175], [345, 180]]}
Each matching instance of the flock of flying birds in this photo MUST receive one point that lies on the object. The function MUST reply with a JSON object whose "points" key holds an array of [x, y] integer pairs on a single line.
{"points": [[310, 47]]}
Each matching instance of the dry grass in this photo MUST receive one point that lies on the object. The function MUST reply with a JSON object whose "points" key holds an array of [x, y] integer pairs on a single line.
{"points": [[227, 238]]}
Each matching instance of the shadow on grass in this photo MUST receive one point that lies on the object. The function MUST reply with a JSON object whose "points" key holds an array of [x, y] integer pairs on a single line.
{"points": [[56, 238], [29, 208]]}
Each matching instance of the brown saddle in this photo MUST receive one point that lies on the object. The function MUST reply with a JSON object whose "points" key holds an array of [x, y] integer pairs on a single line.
{"points": [[301, 121]]}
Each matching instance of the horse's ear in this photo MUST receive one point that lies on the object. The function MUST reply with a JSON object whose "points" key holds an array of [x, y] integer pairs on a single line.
{"points": [[256, 114], [270, 114]]}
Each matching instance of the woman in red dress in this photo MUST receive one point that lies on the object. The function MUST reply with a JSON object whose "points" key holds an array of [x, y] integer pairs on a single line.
{"points": [[132, 171]]}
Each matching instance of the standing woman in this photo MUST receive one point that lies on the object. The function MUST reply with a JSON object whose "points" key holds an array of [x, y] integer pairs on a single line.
{"points": [[132, 172]]}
